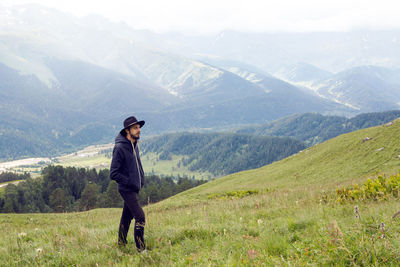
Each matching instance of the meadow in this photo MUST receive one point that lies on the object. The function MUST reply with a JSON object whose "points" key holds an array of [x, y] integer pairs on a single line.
{"points": [[93, 157], [283, 214]]}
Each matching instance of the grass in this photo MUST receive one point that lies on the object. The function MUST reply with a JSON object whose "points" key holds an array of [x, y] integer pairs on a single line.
{"points": [[262, 229], [283, 223], [98, 161], [151, 163]]}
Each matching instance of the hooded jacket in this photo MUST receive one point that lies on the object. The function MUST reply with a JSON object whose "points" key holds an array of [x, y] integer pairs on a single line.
{"points": [[126, 168]]}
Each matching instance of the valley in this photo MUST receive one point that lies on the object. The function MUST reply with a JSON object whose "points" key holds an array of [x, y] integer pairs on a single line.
{"points": [[99, 157]]}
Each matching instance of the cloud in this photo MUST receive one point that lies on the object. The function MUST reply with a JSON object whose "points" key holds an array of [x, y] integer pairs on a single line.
{"points": [[250, 15]]}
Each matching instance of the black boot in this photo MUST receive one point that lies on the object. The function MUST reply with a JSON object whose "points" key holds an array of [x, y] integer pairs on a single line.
{"points": [[122, 233], [139, 236]]}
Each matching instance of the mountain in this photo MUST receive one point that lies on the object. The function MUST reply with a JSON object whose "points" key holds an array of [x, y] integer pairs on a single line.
{"points": [[60, 73], [313, 128], [302, 72], [329, 51], [88, 74], [363, 88], [366, 88], [39, 120]]}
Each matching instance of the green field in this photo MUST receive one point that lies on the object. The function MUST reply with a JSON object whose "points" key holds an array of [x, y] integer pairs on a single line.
{"points": [[284, 222], [151, 164], [99, 161]]}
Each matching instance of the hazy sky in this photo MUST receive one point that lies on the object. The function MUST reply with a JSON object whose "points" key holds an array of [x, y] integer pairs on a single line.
{"points": [[211, 16]]}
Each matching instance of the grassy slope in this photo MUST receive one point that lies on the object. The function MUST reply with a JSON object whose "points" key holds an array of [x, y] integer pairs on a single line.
{"points": [[284, 224], [341, 160]]}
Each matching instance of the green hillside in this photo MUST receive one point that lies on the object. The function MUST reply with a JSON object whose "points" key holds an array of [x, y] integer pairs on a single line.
{"points": [[271, 216], [221, 153], [343, 159]]}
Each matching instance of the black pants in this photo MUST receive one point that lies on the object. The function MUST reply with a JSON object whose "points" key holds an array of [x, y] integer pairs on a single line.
{"points": [[132, 210]]}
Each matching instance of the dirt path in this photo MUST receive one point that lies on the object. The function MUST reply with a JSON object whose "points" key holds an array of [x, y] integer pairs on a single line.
{"points": [[12, 182]]}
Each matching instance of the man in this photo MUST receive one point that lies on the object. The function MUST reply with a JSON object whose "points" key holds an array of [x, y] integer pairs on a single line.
{"points": [[126, 169]]}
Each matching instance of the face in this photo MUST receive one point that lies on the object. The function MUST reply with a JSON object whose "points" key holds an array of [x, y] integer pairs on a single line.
{"points": [[134, 131]]}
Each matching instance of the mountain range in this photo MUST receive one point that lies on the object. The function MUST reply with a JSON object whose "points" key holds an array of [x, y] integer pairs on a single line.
{"points": [[68, 81]]}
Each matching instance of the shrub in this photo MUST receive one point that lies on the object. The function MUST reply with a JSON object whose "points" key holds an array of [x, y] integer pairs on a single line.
{"points": [[378, 189]]}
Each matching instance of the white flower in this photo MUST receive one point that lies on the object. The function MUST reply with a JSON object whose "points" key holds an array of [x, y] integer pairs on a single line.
{"points": [[39, 250], [259, 221], [22, 234]]}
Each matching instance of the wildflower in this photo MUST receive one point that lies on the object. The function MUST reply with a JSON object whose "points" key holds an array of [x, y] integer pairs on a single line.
{"points": [[39, 250], [22, 234], [356, 212], [259, 221], [224, 231], [240, 219], [252, 253], [383, 230]]}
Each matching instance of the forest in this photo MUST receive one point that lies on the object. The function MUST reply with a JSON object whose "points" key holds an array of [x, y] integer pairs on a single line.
{"points": [[67, 189], [222, 153], [12, 176]]}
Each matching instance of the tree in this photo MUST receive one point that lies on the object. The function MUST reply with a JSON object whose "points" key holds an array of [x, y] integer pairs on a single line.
{"points": [[30, 196], [103, 179], [58, 200], [11, 199], [112, 197], [53, 177], [90, 196]]}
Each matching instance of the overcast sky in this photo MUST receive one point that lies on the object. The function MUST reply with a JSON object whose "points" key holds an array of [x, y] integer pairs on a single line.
{"points": [[212, 16]]}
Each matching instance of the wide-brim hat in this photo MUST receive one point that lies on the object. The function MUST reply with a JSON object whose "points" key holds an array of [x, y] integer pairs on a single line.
{"points": [[128, 122]]}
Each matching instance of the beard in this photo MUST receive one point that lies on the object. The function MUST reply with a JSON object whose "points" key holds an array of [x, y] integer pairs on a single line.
{"points": [[134, 137]]}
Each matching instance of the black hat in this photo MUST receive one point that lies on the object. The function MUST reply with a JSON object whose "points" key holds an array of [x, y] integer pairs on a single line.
{"points": [[128, 122]]}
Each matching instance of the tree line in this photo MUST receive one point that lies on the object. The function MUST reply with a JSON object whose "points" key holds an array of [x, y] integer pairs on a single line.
{"points": [[67, 189], [12, 176]]}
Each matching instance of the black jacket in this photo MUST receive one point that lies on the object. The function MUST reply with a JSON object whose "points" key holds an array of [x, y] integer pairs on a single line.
{"points": [[125, 169]]}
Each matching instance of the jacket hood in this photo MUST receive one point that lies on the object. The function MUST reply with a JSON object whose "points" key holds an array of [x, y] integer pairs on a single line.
{"points": [[121, 139]]}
